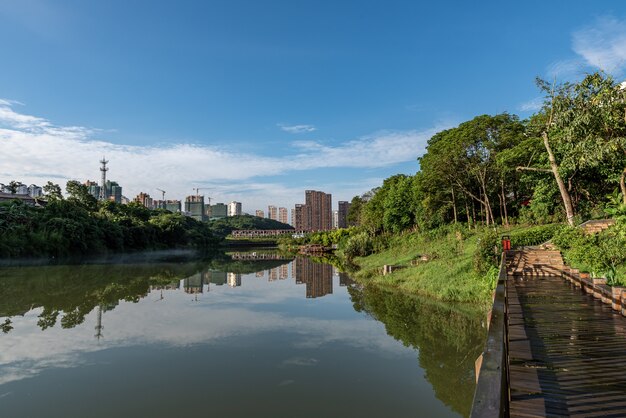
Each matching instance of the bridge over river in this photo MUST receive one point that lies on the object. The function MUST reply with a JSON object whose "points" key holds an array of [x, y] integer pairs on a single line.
{"points": [[556, 344]]}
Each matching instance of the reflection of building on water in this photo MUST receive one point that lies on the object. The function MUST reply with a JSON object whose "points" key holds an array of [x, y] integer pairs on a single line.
{"points": [[294, 274], [257, 255], [318, 277], [344, 279], [273, 274], [195, 284], [234, 279], [284, 272], [260, 273], [217, 277], [173, 285]]}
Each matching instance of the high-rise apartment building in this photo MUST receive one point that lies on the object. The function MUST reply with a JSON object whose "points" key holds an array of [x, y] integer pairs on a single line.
{"points": [[93, 188], [282, 215], [344, 208], [300, 217], [217, 211], [272, 212], [144, 199], [194, 205], [260, 213], [113, 191], [316, 213], [234, 209], [335, 219], [173, 206]]}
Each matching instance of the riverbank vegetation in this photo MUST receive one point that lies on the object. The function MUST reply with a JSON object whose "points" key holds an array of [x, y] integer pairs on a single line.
{"points": [[496, 175], [80, 225], [224, 226]]}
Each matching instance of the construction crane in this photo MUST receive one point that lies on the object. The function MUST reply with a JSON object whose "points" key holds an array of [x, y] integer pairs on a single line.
{"points": [[197, 189], [162, 194]]}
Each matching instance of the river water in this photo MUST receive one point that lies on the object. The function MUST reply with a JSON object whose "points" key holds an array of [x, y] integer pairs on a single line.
{"points": [[230, 338]]}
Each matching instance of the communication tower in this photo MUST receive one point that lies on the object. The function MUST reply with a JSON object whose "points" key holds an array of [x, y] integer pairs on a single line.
{"points": [[103, 181]]}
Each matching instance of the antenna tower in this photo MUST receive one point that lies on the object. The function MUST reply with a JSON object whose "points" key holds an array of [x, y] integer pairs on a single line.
{"points": [[103, 181]]}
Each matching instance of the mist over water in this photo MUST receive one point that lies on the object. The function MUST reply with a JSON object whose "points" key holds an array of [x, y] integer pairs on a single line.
{"points": [[256, 336]]}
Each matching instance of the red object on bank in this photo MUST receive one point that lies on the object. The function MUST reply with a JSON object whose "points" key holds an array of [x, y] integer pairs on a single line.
{"points": [[506, 243]]}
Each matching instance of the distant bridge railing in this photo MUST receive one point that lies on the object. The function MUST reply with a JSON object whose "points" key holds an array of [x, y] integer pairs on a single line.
{"points": [[258, 256], [492, 395], [261, 233]]}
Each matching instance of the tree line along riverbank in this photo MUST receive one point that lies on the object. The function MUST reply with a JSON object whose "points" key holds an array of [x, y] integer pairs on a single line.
{"points": [[79, 225], [534, 179]]}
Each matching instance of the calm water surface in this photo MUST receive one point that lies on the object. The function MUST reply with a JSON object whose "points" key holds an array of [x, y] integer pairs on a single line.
{"points": [[241, 338]]}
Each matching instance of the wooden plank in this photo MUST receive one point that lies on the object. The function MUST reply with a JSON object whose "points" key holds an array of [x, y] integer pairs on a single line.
{"points": [[567, 352]]}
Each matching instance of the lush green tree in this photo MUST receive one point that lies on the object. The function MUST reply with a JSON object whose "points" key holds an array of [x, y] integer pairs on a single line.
{"points": [[52, 191], [584, 127], [79, 193], [354, 213], [466, 158]]}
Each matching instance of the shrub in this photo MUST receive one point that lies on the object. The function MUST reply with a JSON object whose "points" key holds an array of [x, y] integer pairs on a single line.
{"points": [[534, 235], [567, 237], [358, 245], [487, 251]]}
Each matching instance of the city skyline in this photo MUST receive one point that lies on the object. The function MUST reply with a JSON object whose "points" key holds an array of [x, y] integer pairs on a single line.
{"points": [[253, 107]]}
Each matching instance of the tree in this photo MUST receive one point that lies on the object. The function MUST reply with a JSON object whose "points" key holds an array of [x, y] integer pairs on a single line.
{"points": [[52, 191], [79, 193], [13, 186], [354, 213], [464, 159], [585, 124]]}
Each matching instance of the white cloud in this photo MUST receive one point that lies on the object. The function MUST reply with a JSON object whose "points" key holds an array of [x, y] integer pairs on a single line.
{"points": [[532, 105], [297, 129], [35, 151], [381, 149], [566, 69], [602, 44]]}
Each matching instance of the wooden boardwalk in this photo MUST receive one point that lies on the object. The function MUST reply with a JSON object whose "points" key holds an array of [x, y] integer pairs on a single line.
{"points": [[566, 350]]}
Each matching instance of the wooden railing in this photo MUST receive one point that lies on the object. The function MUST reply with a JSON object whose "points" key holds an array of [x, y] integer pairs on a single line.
{"points": [[491, 398]]}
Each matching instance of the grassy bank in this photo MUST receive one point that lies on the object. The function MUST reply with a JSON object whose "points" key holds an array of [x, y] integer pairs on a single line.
{"points": [[457, 266], [447, 275]]}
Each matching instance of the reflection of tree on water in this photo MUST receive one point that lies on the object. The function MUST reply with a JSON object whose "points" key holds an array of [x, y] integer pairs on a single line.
{"points": [[448, 340], [67, 294], [74, 291]]}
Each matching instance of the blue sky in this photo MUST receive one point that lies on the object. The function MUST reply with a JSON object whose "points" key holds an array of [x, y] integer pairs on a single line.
{"points": [[262, 100]]}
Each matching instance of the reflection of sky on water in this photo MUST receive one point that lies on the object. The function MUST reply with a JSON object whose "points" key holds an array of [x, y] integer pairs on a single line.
{"points": [[181, 319], [294, 339]]}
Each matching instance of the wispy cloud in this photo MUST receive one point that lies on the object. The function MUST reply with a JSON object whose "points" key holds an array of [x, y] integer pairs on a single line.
{"points": [[532, 105], [566, 69], [36, 150], [297, 129], [602, 44]]}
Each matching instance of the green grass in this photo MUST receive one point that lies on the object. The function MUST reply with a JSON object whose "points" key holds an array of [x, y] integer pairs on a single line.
{"points": [[449, 275]]}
